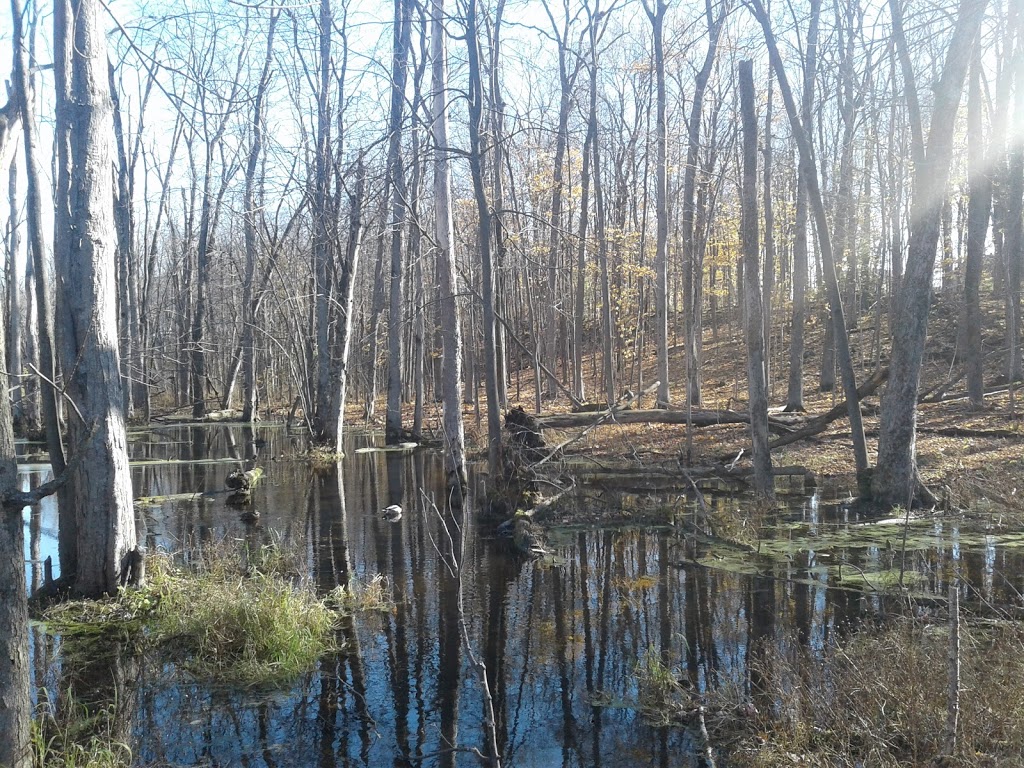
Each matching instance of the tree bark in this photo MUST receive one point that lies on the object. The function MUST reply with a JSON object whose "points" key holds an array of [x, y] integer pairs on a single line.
{"points": [[250, 217], [15, 702], [484, 240], [451, 326], [809, 171], [87, 310], [396, 175], [753, 311], [979, 206], [657, 18], [895, 480]]}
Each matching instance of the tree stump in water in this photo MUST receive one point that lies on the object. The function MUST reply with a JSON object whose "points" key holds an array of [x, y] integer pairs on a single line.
{"points": [[525, 434], [241, 484]]}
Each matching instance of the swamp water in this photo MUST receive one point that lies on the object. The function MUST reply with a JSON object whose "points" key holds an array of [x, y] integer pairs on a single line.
{"points": [[562, 637]]}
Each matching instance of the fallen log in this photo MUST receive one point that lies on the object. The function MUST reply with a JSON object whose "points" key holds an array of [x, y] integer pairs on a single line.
{"points": [[698, 418], [662, 478], [820, 423]]}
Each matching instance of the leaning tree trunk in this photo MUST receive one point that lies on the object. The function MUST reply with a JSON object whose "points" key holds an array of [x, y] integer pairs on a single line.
{"points": [[451, 330], [101, 481], [753, 310], [896, 478], [808, 170]]}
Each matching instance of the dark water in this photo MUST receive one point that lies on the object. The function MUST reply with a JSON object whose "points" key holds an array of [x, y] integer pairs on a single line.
{"points": [[561, 637]]}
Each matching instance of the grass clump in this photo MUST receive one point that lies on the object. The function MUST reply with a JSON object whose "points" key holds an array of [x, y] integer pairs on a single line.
{"points": [[243, 628], [242, 619], [78, 739], [879, 699], [322, 458], [662, 698]]}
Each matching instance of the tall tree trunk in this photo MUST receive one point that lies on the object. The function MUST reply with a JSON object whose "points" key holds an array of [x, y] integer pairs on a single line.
{"points": [[809, 170], [566, 83], [768, 268], [124, 222], [15, 363], [657, 17], [345, 293], [693, 266], [396, 176], [42, 268], [448, 310], [484, 238], [896, 477], [15, 701], [979, 206], [753, 311], [323, 214], [88, 321], [608, 324], [250, 217], [795, 384]]}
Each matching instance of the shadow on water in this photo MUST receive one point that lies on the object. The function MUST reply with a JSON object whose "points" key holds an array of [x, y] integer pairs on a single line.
{"points": [[561, 641]]}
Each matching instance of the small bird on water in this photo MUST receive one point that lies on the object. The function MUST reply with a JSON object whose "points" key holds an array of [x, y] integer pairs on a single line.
{"points": [[392, 513]]}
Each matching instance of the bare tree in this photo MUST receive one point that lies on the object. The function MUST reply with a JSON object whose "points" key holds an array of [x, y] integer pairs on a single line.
{"points": [[657, 18], [693, 258], [753, 312], [978, 208], [397, 182], [15, 702], [896, 478], [42, 267], [483, 209], [251, 216], [448, 310], [809, 171], [87, 319]]}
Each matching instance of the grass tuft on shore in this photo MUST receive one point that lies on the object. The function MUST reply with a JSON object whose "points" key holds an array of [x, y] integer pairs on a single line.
{"points": [[240, 619]]}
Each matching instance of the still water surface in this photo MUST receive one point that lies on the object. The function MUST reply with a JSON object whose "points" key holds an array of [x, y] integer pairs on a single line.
{"points": [[561, 637]]}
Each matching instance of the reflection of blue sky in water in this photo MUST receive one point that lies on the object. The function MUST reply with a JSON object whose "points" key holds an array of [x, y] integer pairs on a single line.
{"points": [[555, 639]]}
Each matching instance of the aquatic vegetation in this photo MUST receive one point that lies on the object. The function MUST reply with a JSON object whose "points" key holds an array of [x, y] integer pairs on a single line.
{"points": [[241, 619], [78, 739], [322, 459], [662, 698]]}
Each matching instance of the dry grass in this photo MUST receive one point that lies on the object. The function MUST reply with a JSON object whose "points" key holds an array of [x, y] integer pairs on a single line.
{"points": [[879, 699]]}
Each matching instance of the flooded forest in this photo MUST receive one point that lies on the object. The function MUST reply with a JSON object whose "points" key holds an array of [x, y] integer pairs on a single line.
{"points": [[512, 383]]}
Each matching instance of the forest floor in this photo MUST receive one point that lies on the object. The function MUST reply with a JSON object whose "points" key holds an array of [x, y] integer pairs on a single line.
{"points": [[961, 453]]}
